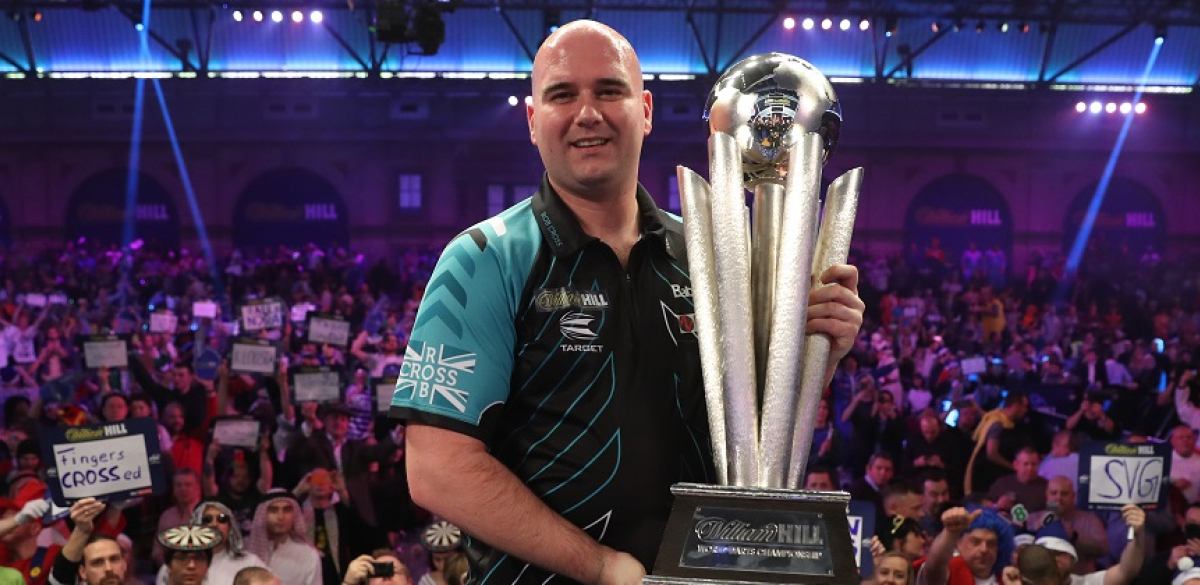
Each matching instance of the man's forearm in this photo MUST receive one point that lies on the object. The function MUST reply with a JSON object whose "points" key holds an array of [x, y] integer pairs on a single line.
{"points": [[1131, 562], [501, 511], [935, 571]]}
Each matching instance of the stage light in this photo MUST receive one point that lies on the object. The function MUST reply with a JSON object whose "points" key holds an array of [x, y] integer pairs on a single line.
{"points": [[297, 16], [257, 16], [1126, 108], [276, 16], [1096, 107], [1140, 108], [979, 27], [1110, 108], [1160, 33], [529, 100], [890, 26], [789, 23], [139, 26], [237, 15], [827, 24], [808, 24], [1081, 107], [864, 24], [845, 24], [936, 26], [512, 101], [958, 24], [37, 16], [1024, 27], [1003, 26], [316, 16]]}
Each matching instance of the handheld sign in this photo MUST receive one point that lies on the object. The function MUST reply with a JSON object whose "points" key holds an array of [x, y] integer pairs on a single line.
{"points": [[163, 322], [262, 314], [109, 462], [974, 365], [105, 351], [204, 309], [862, 528], [316, 384], [237, 431], [58, 299], [1114, 474], [253, 356], [206, 364], [329, 329], [35, 299], [384, 388], [300, 312]]}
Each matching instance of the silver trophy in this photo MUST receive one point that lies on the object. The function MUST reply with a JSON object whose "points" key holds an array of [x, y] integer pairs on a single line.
{"points": [[774, 120]]}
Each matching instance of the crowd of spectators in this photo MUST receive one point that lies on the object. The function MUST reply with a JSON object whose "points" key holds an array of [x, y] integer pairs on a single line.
{"points": [[965, 403]]}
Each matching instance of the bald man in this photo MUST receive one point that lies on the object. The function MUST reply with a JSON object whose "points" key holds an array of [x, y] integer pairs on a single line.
{"points": [[559, 462]]}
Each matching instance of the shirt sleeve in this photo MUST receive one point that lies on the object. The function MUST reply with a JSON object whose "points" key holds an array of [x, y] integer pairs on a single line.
{"points": [[1188, 413], [459, 359]]}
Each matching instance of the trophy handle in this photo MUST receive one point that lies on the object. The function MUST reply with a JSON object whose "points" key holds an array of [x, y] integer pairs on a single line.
{"points": [[833, 247], [790, 312], [695, 200]]}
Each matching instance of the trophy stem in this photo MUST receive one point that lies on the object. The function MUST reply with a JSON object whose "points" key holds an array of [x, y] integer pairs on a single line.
{"points": [[731, 241], [790, 312], [694, 197], [833, 247], [764, 238]]}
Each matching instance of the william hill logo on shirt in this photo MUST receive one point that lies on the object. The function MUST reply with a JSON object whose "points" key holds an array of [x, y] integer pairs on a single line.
{"points": [[554, 299]]}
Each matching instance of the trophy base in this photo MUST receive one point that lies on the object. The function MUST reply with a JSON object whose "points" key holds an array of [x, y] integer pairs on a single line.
{"points": [[742, 535]]}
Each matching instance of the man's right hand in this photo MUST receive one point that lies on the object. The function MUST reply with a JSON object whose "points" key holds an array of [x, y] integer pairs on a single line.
{"points": [[956, 520], [359, 571], [1176, 553], [84, 513], [618, 568]]}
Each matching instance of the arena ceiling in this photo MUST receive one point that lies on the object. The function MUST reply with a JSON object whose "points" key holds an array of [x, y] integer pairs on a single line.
{"points": [[1013, 43]]}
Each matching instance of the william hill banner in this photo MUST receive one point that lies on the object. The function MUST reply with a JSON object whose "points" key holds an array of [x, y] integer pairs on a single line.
{"points": [[97, 210], [959, 209], [290, 207], [1130, 215]]}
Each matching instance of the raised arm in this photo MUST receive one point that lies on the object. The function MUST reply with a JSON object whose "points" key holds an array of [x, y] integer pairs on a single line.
{"points": [[1130, 564], [936, 570], [502, 511]]}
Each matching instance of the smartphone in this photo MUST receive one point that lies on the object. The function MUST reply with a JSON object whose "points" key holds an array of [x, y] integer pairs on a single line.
{"points": [[383, 569], [952, 418], [1159, 346]]}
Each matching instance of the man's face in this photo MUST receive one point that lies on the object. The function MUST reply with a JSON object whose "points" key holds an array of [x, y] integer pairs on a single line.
{"points": [[880, 472], [187, 568], [1061, 446], [1060, 493], [239, 479], [115, 409], [914, 545], [930, 428], [1183, 440], [819, 481], [936, 493], [1026, 466], [173, 419], [400, 577], [337, 424], [186, 489], [281, 516], [182, 378], [29, 462], [214, 518], [979, 548], [140, 409], [589, 113], [103, 563]]}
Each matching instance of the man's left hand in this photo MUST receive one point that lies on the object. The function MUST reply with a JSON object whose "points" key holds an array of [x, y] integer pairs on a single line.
{"points": [[836, 310]]}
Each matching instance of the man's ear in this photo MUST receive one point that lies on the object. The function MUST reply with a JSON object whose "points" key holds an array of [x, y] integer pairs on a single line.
{"points": [[648, 110]]}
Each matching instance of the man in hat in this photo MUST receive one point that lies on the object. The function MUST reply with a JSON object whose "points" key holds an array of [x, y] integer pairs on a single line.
{"points": [[279, 538], [330, 448], [983, 541], [229, 556], [1054, 538], [1084, 529], [189, 551]]}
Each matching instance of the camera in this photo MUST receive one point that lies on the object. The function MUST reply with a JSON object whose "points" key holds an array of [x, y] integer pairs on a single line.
{"points": [[383, 569]]}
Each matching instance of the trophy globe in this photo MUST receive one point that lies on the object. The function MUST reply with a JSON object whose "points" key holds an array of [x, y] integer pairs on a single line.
{"points": [[765, 102]]}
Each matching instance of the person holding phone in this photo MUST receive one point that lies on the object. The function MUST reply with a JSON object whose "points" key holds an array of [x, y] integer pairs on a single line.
{"points": [[379, 568]]}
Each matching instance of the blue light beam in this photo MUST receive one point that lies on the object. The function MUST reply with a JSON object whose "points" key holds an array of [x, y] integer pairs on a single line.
{"points": [[1089, 220], [186, 179]]}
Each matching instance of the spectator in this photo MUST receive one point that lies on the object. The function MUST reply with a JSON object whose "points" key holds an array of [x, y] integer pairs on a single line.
{"points": [[1024, 486], [983, 541], [1185, 464], [1091, 419], [935, 494], [255, 576], [1084, 529], [994, 436], [185, 389], [361, 570], [819, 478], [229, 557], [1063, 458], [880, 470], [279, 538], [185, 490], [189, 550], [904, 536]]}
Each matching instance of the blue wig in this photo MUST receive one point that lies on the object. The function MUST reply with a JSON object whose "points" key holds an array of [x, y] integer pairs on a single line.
{"points": [[990, 520]]}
